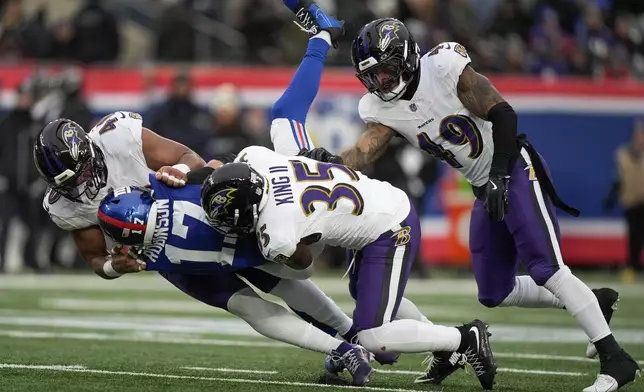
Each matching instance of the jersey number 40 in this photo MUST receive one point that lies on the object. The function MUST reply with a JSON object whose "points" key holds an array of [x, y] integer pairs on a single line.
{"points": [[331, 197], [458, 130]]}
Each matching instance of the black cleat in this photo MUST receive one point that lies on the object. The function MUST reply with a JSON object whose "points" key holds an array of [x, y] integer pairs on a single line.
{"points": [[476, 347], [441, 366], [615, 371], [607, 299]]}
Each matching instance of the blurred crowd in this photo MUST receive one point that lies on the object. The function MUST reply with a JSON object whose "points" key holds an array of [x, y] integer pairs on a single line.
{"points": [[600, 38], [221, 127]]}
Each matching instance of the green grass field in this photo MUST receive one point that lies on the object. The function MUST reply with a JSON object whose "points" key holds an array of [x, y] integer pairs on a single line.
{"points": [[138, 333]]}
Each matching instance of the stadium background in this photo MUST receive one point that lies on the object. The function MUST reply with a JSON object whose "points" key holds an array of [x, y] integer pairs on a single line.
{"points": [[571, 68]]}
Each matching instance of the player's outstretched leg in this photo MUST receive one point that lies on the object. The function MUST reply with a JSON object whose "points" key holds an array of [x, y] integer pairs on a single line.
{"points": [[533, 223], [288, 114], [312, 19], [275, 322], [377, 282]]}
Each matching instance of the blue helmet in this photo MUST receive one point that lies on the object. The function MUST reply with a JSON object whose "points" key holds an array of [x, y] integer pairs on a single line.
{"points": [[128, 215]]}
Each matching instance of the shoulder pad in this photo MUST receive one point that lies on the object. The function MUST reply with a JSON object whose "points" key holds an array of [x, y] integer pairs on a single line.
{"points": [[368, 107]]}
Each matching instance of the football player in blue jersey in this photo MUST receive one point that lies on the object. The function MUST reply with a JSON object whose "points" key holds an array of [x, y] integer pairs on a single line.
{"points": [[168, 232], [167, 229]]}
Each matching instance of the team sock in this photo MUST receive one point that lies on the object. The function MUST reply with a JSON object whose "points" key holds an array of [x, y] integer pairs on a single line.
{"points": [[275, 322], [527, 294], [410, 336], [580, 302]]}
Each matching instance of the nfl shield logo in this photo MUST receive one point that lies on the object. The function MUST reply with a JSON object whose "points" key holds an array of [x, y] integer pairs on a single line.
{"points": [[413, 107]]}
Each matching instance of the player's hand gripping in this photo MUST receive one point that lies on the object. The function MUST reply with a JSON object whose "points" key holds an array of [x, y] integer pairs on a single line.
{"points": [[496, 197], [320, 154], [125, 263], [172, 176]]}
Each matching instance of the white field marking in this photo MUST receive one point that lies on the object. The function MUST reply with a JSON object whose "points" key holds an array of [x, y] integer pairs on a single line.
{"points": [[152, 282], [507, 370], [131, 305], [152, 306], [544, 372], [544, 357], [144, 338], [237, 327], [228, 370], [181, 377]]}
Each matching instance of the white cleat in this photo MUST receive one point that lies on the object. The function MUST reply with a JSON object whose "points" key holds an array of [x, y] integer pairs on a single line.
{"points": [[606, 383], [603, 383]]}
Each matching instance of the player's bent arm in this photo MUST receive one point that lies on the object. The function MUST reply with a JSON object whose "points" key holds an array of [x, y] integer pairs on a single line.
{"points": [[90, 242], [483, 100], [369, 147], [159, 152]]}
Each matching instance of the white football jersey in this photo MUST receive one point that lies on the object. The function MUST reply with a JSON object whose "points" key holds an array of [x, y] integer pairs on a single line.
{"points": [[119, 138], [332, 204], [435, 119]]}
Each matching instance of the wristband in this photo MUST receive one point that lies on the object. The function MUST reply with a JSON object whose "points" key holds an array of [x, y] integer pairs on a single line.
{"points": [[182, 167], [109, 270]]}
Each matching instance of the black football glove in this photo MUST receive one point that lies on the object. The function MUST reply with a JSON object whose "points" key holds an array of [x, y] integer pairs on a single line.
{"points": [[320, 154], [496, 197]]}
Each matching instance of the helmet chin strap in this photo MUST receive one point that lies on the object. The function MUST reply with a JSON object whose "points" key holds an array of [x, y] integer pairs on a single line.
{"points": [[151, 226]]}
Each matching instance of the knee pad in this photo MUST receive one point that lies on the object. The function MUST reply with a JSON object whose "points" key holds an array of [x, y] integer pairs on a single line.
{"points": [[495, 298], [541, 274], [489, 302]]}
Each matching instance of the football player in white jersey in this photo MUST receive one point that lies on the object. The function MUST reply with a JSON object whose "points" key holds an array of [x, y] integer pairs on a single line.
{"points": [[291, 203], [81, 167], [440, 104]]}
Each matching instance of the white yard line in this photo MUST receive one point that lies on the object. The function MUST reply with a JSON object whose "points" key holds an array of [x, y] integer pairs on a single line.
{"points": [[151, 282], [236, 327], [544, 357], [151, 337], [545, 372], [179, 377], [145, 338], [508, 370], [228, 370]]}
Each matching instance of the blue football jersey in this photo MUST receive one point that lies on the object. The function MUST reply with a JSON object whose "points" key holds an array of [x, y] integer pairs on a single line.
{"points": [[184, 242]]}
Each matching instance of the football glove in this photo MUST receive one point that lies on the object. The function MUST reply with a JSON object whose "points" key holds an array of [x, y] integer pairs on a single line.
{"points": [[496, 197], [320, 154]]}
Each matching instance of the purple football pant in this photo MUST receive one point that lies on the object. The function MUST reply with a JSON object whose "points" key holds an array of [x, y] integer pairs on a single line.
{"points": [[380, 272], [529, 234]]}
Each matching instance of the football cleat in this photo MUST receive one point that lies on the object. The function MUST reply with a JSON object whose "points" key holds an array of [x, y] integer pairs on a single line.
{"points": [[607, 299], [615, 372], [312, 19], [356, 361], [333, 364], [440, 365], [478, 352]]}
